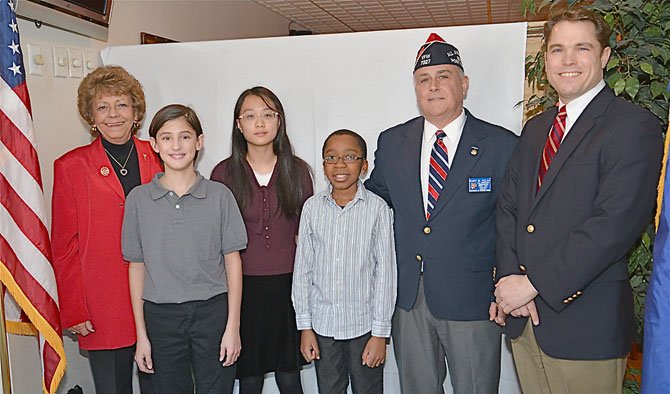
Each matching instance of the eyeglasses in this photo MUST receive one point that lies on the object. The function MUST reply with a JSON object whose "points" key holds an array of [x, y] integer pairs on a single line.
{"points": [[348, 159], [266, 117]]}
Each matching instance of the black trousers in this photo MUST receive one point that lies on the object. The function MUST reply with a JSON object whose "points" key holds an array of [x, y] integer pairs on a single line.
{"points": [[113, 371], [340, 361], [185, 343]]}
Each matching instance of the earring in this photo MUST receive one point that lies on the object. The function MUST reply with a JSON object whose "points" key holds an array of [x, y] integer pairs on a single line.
{"points": [[136, 125], [94, 129]]}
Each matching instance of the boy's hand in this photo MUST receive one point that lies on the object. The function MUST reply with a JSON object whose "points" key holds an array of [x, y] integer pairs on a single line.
{"points": [[143, 355], [231, 346], [308, 346], [374, 353]]}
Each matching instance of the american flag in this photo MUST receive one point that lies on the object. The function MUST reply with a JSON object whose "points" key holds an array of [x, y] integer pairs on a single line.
{"points": [[31, 299]]}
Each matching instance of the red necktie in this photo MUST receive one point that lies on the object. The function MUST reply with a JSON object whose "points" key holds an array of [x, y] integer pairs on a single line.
{"points": [[553, 142], [438, 171]]}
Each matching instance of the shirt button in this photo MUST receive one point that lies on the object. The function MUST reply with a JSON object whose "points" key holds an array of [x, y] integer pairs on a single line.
{"points": [[177, 206], [267, 228], [172, 194], [530, 228], [267, 237], [522, 268]]}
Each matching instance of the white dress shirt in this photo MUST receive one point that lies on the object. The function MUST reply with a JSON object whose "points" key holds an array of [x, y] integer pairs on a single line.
{"points": [[575, 107], [453, 130]]}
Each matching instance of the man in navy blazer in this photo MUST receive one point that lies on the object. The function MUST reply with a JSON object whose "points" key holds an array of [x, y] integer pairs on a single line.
{"points": [[445, 254], [569, 211]]}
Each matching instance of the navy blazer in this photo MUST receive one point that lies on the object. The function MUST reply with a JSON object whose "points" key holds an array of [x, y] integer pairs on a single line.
{"points": [[457, 244], [572, 236]]}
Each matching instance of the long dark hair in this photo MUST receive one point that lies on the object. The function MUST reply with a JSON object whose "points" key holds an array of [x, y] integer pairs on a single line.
{"points": [[290, 168]]}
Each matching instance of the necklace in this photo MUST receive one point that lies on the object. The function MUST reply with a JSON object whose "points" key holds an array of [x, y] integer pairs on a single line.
{"points": [[123, 170]]}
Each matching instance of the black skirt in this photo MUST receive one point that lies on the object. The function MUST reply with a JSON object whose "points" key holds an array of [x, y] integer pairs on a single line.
{"points": [[270, 339]]}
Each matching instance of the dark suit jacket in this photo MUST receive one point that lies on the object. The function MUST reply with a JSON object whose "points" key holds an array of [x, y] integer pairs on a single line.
{"points": [[457, 244], [572, 237]]}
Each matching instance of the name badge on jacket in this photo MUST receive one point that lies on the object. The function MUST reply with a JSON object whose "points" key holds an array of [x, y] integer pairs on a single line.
{"points": [[479, 185]]}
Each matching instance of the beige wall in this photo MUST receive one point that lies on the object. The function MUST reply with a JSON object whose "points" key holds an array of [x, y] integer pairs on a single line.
{"points": [[59, 129]]}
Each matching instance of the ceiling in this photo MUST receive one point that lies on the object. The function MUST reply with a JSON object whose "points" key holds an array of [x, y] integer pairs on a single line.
{"points": [[344, 16]]}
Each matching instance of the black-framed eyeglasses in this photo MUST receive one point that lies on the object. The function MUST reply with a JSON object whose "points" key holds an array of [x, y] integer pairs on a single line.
{"points": [[348, 159]]}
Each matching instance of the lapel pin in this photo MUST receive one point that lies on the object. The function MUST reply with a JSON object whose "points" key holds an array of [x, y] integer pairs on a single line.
{"points": [[474, 150], [104, 171], [144, 155]]}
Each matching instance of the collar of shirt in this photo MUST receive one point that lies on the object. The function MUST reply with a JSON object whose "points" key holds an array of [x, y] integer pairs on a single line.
{"points": [[252, 174], [453, 130], [575, 107], [198, 190], [361, 194]]}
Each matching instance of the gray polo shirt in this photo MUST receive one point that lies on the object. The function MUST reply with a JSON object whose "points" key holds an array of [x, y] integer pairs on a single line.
{"points": [[182, 240]]}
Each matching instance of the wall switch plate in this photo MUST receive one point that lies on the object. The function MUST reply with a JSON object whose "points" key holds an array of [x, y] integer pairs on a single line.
{"points": [[36, 60], [61, 62], [76, 64], [91, 61]]}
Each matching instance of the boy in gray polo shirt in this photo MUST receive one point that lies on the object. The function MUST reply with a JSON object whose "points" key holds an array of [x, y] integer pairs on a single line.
{"points": [[182, 235]]}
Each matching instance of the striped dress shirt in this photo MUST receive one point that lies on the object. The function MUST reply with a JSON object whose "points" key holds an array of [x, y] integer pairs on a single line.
{"points": [[344, 280]]}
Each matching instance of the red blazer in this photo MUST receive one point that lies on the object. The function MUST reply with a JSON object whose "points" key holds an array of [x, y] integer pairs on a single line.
{"points": [[87, 213]]}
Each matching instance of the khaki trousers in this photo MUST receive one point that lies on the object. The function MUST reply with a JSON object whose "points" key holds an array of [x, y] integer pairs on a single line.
{"points": [[540, 373]]}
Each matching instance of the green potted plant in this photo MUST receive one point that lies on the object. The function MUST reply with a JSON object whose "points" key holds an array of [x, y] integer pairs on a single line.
{"points": [[638, 70]]}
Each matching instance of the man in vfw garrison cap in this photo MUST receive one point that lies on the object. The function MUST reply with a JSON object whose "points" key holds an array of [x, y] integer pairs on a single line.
{"points": [[440, 172]]}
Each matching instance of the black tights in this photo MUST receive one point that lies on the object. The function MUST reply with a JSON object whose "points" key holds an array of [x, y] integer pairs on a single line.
{"points": [[288, 383]]}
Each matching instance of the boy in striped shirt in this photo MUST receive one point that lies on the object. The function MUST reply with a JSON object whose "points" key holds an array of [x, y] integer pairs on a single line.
{"points": [[344, 280]]}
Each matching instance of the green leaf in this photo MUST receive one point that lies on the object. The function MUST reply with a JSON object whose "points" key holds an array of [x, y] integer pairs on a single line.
{"points": [[619, 86], [632, 86], [613, 79], [614, 61], [646, 67], [657, 89], [635, 281]]}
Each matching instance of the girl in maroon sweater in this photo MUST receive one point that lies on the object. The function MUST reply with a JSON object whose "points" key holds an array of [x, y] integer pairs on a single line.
{"points": [[270, 184]]}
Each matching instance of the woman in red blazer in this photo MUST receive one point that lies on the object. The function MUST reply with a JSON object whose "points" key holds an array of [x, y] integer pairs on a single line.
{"points": [[90, 186]]}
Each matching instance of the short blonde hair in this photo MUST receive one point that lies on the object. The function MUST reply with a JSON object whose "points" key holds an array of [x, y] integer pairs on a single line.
{"points": [[111, 80]]}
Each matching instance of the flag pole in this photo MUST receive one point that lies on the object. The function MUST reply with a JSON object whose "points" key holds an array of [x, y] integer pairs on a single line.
{"points": [[4, 349]]}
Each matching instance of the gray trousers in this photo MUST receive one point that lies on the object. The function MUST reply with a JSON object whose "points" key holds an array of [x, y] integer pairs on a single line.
{"points": [[421, 343], [340, 361]]}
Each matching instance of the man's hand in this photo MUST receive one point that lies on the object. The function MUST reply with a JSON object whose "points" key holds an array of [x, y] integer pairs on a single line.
{"points": [[496, 314], [528, 310], [308, 346], [374, 353], [513, 292]]}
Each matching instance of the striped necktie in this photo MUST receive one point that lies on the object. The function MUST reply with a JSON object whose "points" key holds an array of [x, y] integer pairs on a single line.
{"points": [[438, 171], [553, 142]]}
